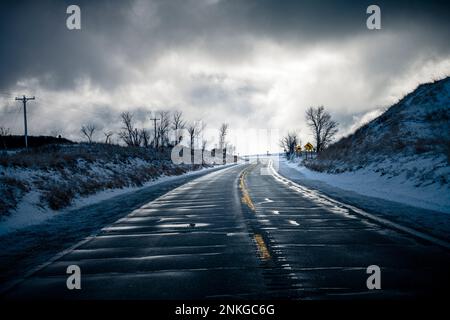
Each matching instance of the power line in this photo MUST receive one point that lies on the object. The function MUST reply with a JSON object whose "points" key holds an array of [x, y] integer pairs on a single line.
{"points": [[24, 101]]}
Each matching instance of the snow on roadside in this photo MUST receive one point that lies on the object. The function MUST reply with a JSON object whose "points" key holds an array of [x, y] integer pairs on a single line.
{"points": [[29, 212], [369, 183], [26, 214]]}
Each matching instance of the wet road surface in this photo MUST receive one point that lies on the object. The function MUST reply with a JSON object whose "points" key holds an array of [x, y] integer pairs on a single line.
{"points": [[237, 233]]}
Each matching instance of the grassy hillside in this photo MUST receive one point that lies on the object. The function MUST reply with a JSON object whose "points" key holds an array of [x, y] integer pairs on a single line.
{"points": [[57, 174]]}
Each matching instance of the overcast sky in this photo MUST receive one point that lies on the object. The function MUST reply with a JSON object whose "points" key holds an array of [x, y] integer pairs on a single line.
{"points": [[253, 64]]}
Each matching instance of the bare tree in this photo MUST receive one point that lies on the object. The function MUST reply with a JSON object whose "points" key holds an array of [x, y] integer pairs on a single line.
{"points": [[201, 126], [204, 142], [288, 143], [192, 129], [223, 130], [108, 135], [178, 124], [88, 131], [129, 134], [163, 129], [322, 126], [145, 137]]}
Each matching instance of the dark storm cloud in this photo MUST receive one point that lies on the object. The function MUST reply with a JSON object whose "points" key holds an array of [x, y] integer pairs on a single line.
{"points": [[36, 43], [117, 35], [257, 63]]}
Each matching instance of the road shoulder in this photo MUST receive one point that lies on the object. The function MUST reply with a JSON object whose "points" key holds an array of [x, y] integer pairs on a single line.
{"points": [[431, 222]]}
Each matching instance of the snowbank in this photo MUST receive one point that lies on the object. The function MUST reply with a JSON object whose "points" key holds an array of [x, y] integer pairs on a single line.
{"points": [[367, 182]]}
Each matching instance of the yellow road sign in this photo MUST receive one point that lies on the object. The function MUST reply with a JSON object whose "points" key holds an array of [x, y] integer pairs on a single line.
{"points": [[309, 147]]}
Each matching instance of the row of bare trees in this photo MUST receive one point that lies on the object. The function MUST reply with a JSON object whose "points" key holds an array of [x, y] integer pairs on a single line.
{"points": [[168, 130], [133, 136], [322, 126]]}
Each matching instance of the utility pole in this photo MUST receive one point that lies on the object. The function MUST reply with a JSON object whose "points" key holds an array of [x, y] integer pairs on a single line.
{"points": [[24, 101], [154, 123]]}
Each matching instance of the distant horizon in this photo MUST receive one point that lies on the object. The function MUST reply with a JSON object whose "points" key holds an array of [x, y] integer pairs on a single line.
{"points": [[371, 117]]}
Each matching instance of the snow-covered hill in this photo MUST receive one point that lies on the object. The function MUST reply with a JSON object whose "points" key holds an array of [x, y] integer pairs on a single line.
{"points": [[409, 142]]}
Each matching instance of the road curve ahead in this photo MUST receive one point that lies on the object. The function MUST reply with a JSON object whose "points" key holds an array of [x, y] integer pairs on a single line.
{"points": [[237, 233]]}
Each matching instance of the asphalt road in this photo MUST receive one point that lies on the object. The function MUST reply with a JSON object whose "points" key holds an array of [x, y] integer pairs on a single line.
{"points": [[237, 233]]}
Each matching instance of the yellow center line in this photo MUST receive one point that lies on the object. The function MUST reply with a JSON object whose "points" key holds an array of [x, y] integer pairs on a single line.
{"points": [[245, 195], [264, 253]]}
